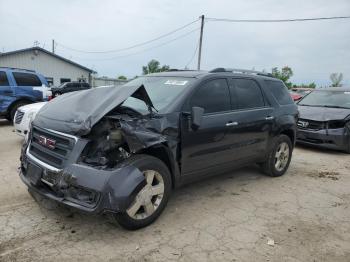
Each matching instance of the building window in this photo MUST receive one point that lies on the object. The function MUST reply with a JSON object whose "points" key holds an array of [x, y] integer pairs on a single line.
{"points": [[82, 79], [49, 80], [64, 80]]}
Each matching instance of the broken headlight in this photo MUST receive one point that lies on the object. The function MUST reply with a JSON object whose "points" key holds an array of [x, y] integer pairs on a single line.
{"points": [[336, 124]]}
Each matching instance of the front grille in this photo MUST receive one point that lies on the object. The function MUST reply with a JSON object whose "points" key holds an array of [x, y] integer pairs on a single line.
{"points": [[55, 156], [310, 124], [19, 117]]}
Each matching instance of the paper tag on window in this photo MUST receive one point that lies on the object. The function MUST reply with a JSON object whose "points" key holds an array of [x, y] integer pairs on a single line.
{"points": [[176, 82]]}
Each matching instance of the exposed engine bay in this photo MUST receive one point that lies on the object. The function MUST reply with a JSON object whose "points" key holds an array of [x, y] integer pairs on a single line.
{"points": [[124, 132], [107, 146]]}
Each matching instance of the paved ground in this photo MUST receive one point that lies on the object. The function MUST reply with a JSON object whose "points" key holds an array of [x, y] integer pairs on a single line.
{"points": [[227, 218]]}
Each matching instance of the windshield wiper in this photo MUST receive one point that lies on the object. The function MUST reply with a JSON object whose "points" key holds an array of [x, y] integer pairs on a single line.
{"points": [[305, 105], [336, 106], [152, 110], [328, 106]]}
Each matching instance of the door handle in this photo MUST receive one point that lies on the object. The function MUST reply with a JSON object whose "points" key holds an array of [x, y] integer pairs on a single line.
{"points": [[269, 118], [232, 124]]}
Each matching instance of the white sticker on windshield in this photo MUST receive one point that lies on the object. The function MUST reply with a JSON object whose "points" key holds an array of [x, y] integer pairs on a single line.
{"points": [[176, 82]]}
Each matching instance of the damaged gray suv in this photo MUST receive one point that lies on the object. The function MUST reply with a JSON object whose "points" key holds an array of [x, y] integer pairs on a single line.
{"points": [[122, 150]]}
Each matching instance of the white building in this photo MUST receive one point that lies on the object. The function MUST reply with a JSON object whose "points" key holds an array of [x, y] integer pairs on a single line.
{"points": [[55, 68], [106, 81]]}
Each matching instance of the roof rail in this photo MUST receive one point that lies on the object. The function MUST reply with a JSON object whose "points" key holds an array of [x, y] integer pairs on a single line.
{"points": [[178, 70], [243, 71], [15, 68]]}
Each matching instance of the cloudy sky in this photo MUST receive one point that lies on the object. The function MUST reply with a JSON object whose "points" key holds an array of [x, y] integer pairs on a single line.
{"points": [[312, 49]]}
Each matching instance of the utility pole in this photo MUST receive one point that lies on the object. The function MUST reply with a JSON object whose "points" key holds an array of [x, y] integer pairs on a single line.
{"points": [[200, 43], [53, 45]]}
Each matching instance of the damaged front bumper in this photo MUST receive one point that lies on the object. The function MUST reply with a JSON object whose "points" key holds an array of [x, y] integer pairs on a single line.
{"points": [[83, 187], [337, 138]]}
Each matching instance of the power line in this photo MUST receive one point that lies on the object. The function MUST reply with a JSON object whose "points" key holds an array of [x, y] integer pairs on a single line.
{"points": [[192, 57], [213, 19], [141, 51], [130, 47]]}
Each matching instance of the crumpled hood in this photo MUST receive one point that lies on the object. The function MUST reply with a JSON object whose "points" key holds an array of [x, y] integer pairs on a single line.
{"points": [[77, 112], [322, 113]]}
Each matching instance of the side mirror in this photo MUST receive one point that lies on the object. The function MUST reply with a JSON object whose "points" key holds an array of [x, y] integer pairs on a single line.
{"points": [[196, 117]]}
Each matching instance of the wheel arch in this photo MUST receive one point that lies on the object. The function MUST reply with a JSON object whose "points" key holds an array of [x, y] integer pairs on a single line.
{"points": [[290, 133], [20, 100], [163, 152]]}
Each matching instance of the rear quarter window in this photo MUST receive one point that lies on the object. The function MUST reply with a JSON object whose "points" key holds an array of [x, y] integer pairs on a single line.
{"points": [[26, 79], [280, 92]]}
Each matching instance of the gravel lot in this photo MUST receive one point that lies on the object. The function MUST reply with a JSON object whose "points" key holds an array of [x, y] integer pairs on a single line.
{"points": [[227, 218]]}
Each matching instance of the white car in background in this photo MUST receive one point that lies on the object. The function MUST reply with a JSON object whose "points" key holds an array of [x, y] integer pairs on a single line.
{"points": [[24, 116]]}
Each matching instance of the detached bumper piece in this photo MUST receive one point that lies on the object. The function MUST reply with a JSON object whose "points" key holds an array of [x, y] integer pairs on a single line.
{"points": [[83, 187]]}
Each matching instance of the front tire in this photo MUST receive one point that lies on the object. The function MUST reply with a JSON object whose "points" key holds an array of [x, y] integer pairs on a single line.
{"points": [[152, 199], [279, 157]]}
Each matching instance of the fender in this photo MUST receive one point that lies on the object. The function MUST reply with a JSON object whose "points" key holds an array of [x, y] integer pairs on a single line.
{"points": [[169, 157]]}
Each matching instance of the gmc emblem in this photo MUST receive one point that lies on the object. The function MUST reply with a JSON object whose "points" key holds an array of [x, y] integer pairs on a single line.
{"points": [[47, 142], [303, 124]]}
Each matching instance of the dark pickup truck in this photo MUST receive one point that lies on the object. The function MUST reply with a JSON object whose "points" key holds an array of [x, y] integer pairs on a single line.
{"points": [[123, 150]]}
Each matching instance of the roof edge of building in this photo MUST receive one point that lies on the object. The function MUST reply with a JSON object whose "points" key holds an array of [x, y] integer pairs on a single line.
{"points": [[49, 53]]}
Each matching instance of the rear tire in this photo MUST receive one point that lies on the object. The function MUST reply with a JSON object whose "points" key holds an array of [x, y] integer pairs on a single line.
{"points": [[279, 157], [147, 210], [57, 94], [13, 110]]}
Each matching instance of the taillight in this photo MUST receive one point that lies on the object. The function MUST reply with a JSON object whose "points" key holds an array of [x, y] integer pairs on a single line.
{"points": [[49, 98]]}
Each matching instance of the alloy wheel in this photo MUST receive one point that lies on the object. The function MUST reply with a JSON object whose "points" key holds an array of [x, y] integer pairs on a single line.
{"points": [[149, 198], [281, 156]]}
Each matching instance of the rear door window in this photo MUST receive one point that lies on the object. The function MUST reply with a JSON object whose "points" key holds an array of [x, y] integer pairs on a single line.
{"points": [[26, 79], [247, 94], [3, 79], [213, 96], [280, 92]]}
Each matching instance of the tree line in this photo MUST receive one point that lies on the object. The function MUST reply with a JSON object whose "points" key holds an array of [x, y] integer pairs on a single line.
{"points": [[284, 74]]}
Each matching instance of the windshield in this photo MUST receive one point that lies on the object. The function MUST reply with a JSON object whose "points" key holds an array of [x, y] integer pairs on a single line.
{"points": [[327, 98], [161, 90]]}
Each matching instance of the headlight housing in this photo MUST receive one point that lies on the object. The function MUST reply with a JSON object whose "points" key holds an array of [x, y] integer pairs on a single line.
{"points": [[31, 116]]}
